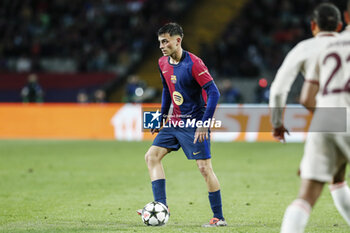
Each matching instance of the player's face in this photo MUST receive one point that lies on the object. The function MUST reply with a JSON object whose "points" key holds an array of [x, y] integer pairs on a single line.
{"points": [[168, 44]]}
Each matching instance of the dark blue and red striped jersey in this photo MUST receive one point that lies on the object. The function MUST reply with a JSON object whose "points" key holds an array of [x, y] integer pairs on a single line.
{"points": [[186, 82]]}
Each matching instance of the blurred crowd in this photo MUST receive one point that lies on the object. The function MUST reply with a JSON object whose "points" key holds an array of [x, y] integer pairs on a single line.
{"points": [[256, 42], [137, 91], [114, 35], [79, 35], [32, 91], [260, 37], [98, 96]]}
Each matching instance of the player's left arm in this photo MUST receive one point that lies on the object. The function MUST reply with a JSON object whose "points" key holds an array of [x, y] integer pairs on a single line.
{"points": [[166, 102], [202, 76], [213, 94]]}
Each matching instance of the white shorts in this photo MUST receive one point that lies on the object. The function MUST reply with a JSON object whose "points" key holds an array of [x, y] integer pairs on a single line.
{"points": [[323, 155]]}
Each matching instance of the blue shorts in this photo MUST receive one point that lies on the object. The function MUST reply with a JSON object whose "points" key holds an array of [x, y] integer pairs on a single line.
{"points": [[174, 138]]}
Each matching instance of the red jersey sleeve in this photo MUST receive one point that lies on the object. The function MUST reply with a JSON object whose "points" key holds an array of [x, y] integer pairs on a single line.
{"points": [[200, 72]]}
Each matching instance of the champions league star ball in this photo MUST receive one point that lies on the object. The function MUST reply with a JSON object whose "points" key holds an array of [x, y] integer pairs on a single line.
{"points": [[155, 214]]}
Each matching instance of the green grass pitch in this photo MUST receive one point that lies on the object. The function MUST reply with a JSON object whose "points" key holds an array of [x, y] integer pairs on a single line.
{"points": [[97, 186]]}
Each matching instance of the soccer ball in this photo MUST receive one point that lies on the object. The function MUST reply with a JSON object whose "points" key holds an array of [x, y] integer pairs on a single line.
{"points": [[155, 214]]}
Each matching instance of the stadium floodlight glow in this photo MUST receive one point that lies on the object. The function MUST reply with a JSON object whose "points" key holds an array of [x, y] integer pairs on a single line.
{"points": [[139, 91]]}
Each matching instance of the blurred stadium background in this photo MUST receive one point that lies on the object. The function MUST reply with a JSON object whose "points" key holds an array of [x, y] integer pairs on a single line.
{"points": [[83, 46], [106, 52], [83, 69]]}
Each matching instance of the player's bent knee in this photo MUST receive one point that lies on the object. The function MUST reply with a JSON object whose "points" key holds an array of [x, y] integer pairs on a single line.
{"points": [[150, 157], [205, 170], [205, 167], [154, 155]]}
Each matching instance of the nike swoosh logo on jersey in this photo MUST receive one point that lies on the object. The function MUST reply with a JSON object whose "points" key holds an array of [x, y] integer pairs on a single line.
{"points": [[196, 153], [165, 72]]}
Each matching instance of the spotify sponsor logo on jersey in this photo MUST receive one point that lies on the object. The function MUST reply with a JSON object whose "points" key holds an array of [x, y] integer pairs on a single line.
{"points": [[177, 97]]}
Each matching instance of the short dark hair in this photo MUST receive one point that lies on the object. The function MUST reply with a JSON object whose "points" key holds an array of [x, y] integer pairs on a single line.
{"points": [[171, 28], [327, 16]]}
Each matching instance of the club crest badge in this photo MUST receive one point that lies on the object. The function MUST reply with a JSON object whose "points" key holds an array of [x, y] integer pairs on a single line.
{"points": [[173, 79]]}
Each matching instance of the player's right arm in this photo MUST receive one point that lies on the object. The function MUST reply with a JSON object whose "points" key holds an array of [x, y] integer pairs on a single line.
{"points": [[280, 87], [166, 101]]}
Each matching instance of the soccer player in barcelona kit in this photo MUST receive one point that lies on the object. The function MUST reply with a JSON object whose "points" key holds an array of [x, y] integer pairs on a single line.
{"points": [[188, 85]]}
